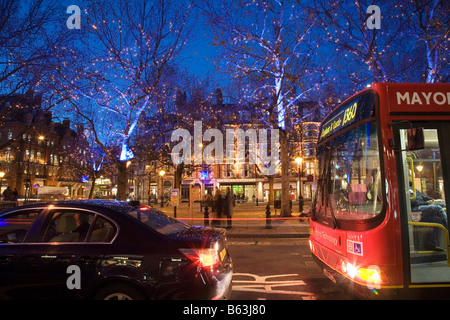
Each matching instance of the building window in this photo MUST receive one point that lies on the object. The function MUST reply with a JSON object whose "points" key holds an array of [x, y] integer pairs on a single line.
{"points": [[8, 154], [228, 171]]}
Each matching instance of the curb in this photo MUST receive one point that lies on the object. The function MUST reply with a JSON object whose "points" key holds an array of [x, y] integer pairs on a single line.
{"points": [[270, 235]]}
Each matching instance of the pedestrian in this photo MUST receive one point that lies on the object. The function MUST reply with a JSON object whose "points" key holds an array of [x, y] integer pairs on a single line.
{"points": [[228, 207], [15, 195], [7, 194], [218, 203]]}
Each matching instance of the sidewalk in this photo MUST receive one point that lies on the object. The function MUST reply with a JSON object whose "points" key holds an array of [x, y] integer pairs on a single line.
{"points": [[248, 221]]}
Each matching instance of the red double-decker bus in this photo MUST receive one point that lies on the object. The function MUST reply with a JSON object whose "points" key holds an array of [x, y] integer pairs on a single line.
{"points": [[379, 220]]}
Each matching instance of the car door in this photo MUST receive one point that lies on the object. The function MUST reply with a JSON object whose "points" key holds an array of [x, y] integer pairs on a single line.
{"points": [[50, 259], [15, 228]]}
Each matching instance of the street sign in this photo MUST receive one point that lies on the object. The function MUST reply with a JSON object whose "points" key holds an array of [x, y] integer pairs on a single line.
{"points": [[175, 197], [196, 193]]}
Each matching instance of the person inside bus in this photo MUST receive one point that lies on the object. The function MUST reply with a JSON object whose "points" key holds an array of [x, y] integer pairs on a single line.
{"points": [[430, 213]]}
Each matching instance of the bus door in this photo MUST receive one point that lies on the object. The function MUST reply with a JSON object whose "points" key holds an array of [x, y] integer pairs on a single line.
{"points": [[424, 182]]}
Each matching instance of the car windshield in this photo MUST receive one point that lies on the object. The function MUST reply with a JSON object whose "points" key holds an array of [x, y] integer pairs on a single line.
{"points": [[158, 221]]}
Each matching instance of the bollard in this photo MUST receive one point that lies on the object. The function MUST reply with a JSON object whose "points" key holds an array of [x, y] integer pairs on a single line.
{"points": [[206, 218], [268, 221], [300, 204]]}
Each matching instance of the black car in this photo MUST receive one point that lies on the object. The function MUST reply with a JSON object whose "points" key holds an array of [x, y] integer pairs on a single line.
{"points": [[98, 249]]}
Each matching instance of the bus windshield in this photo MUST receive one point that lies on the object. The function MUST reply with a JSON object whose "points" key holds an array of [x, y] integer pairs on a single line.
{"points": [[349, 187]]}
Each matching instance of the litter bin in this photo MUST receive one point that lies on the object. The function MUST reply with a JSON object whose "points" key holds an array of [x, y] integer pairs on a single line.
{"points": [[277, 204]]}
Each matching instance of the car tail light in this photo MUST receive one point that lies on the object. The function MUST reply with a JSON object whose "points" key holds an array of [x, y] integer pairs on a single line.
{"points": [[204, 258], [208, 258]]}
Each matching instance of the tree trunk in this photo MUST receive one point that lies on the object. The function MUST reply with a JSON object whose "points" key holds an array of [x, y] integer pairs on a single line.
{"points": [[178, 175], [91, 192], [271, 178], [122, 181], [284, 157]]}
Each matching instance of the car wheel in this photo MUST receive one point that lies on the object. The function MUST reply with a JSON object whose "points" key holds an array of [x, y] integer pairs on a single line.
{"points": [[119, 291]]}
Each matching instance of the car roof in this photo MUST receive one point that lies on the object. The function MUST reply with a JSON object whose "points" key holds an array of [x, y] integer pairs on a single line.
{"points": [[120, 206], [116, 205]]}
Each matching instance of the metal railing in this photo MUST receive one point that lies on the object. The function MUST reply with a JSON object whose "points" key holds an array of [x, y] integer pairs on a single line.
{"points": [[430, 224]]}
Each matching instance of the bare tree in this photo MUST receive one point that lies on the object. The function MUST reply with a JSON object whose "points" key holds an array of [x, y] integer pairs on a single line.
{"points": [[269, 43], [346, 26], [116, 72], [408, 45], [22, 29], [25, 29], [427, 21]]}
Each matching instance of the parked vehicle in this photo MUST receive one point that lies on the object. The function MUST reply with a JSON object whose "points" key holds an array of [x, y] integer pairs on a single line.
{"points": [[95, 249]]}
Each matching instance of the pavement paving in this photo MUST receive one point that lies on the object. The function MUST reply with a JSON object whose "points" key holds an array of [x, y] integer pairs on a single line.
{"points": [[248, 221]]}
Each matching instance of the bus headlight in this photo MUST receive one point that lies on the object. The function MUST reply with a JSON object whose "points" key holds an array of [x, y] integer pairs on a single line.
{"points": [[370, 275], [352, 271]]}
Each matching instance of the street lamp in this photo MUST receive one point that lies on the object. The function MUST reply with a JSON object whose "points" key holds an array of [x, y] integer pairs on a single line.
{"points": [[162, 173], [299, 161], [420, 169], [42, 139], [2, 174], [28, 179]]}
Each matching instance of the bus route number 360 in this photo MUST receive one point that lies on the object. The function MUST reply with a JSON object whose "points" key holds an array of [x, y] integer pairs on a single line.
{"points": [[349, 113]]}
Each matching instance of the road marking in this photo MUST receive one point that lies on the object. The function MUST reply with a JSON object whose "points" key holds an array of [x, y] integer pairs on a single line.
{"points": [[266, 284], [268, 242]]}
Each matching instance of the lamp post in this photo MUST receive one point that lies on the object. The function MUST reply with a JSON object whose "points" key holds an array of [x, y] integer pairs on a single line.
{"points": [[299, 161], [175, 186], [2, 174], [42, 139], [162, 173], [28, 179]]}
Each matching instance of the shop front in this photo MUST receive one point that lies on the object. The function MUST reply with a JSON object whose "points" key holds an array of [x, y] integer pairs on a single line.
{"points": [[244, 190]]}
